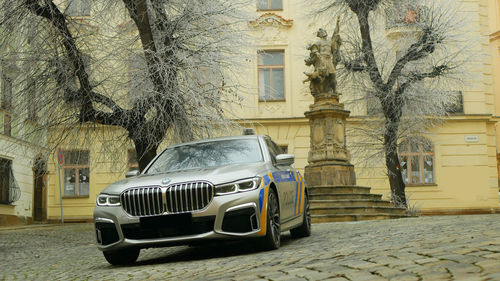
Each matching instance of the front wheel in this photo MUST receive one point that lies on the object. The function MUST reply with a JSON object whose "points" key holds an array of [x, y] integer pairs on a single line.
{"points": [[272, 240], [305, 229], [122, 257]]}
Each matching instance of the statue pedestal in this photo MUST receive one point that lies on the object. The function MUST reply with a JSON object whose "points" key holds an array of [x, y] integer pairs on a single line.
{"points": [[328, 156]]}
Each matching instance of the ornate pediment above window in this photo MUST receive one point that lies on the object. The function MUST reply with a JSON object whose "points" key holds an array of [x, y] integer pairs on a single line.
{"points": [[271, 19]]}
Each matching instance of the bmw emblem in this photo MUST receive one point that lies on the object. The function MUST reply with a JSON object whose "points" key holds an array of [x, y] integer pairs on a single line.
{"points": [[165, 181]]}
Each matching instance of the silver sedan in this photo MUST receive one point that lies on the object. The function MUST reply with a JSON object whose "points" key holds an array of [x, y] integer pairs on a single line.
{"points": [[225, 188]]}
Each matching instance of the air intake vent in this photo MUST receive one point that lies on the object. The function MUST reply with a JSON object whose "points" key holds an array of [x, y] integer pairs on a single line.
{"points": [[190, 196], [174, 199], [142, 201]]}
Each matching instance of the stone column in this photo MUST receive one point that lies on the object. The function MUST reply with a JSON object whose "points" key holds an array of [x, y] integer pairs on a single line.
{"points": [[329, 159]]}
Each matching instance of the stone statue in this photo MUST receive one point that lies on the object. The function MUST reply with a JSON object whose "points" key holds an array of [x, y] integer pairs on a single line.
{"points": [[324, 56]]}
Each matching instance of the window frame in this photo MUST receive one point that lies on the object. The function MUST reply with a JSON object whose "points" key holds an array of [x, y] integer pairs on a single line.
{"points": [[269, 6], [79, 11], [8, 171], [421, 154], [271, 67], [6, 102], [76, 168], [31, 100], [273, 149], [130, 165]]}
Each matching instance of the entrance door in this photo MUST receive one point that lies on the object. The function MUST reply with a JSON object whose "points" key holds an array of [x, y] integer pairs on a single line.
{"points": [[39, 210]]}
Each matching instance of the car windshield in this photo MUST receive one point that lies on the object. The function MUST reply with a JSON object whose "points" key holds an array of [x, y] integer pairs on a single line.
{"points": [[206, 155]]}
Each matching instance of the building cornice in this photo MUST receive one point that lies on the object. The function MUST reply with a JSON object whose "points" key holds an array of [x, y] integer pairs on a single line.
{"points": [[271, 19]]}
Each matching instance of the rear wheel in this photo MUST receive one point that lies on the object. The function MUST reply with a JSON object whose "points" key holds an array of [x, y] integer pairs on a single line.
{"points": [[122, 257], [272, 240], [305, 229]]}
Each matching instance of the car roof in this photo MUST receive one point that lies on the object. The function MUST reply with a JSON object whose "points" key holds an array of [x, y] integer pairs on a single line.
{"points": [[244, 137]]}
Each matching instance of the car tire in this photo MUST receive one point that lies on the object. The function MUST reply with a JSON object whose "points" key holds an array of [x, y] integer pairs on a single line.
{"points": [[272, 240], [305, 229], [122, 257]]}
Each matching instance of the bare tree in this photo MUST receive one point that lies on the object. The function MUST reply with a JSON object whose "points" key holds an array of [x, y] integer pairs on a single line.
{"points": [[407, 78], [145, 69]]}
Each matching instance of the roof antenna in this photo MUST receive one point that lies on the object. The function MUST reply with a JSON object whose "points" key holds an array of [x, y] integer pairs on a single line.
{"points": [[248, 131]]}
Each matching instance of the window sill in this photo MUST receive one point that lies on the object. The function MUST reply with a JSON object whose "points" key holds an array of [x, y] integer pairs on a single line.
{"points": [[273, 100], [420, 184], [79, 17], [269, 10], [75, 197], [6, 204]]}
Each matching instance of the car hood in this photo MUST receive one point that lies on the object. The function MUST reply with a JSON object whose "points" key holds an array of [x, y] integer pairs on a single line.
{"points": [[216, 176]]}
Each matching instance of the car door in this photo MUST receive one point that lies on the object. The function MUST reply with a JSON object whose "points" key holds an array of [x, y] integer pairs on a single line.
{"points": [[284, 178]]}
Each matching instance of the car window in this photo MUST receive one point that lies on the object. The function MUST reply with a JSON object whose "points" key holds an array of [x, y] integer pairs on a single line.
{"points": [[273, 149], [277, 148], [206, 155]]}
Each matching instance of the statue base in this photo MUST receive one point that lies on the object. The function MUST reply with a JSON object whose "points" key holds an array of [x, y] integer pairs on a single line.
{"points": [[329, 159], [330, 173]]}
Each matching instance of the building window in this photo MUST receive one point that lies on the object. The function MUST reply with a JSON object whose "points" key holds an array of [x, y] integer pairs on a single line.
{"points": [[139, 82], [417, 162], [271, 76], [9, 190], [77, 8], [457, 106], [284, 149], [6, 92], [5, 171], [31, 100], [269, 5], [76, 173], [404, 14], [6, 104], [132, 163]]}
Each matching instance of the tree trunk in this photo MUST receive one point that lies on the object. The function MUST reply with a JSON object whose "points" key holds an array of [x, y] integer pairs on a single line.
{"points": [[398, 196], [145, 153]]}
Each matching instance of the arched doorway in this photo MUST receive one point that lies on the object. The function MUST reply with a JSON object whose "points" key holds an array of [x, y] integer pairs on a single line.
{"points": [[40, 190]]}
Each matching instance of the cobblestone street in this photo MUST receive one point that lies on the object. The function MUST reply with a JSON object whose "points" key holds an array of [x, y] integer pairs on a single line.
{"points": [[425, 248]]}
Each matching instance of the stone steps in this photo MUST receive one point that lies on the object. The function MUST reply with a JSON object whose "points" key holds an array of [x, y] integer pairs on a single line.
{"points": [[351, 203], [352, 217], [336, 189], [341, 196], [331, 203], [356, 210]]}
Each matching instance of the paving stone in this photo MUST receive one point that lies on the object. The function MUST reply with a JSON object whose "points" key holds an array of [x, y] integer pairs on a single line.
{"points": [[389, 272], [403, 249], [489, 266], [427, 260], [492, 256], [431, 276], [336, 279], [359, 264]]}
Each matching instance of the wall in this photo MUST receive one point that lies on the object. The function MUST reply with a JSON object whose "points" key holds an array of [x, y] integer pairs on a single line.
{"points": [[22, 156]]}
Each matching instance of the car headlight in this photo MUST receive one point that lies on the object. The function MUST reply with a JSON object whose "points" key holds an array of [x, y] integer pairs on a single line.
{"points": [[239, 186], [108, 200]]}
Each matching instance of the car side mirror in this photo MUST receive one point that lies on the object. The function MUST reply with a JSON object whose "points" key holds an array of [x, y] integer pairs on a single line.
{"points": [[285, 159], [132, 174]]}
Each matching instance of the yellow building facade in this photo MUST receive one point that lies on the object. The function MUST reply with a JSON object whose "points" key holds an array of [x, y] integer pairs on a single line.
{"points": [[454, 172], [463, 173]]}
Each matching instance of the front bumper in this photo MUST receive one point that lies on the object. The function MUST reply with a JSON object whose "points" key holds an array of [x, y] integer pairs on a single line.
{"points": [[226, 217]]}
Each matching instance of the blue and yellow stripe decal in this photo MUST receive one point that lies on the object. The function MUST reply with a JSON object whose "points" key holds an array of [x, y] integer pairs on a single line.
{"points": [[263, 193], [301, 193], [284, 176]]}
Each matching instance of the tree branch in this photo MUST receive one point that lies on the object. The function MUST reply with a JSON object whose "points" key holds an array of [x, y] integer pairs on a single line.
{"points": [[85, 96], [425, 46], [415, 77], [368, 54]]}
